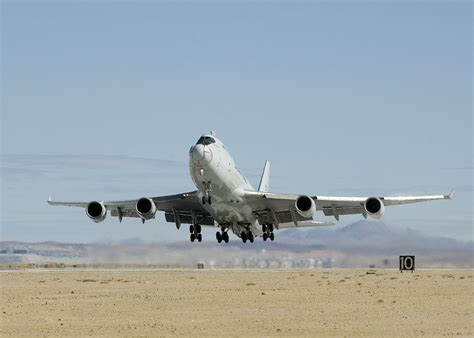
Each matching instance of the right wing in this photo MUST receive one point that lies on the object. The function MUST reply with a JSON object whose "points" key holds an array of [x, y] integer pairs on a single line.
{"points": [[279, 209], [180, 208]]}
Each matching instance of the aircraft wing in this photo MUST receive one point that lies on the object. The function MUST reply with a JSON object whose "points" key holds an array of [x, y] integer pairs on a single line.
{"points": [[280, 208], [185, 207]]}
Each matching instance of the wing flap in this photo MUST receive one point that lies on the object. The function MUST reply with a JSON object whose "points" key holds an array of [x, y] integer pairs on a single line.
{"points": [[345, 210], [187, 218], [278, 217]]}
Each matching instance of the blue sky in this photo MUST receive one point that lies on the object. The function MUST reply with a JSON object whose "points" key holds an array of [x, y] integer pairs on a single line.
{"points": [[342, 98]]}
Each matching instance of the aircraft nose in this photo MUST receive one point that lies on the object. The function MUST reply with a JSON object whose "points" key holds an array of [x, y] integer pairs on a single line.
{"points": [[201, 155]]}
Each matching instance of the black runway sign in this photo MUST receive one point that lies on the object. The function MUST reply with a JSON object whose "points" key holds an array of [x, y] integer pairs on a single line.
{"points": [[407, 263]]}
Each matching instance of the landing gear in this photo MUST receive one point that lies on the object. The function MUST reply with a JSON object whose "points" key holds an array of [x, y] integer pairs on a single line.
{"points": [[247, 236], [195, 231], [207, 197], [222, 236], [243, 235], [267, 230]]}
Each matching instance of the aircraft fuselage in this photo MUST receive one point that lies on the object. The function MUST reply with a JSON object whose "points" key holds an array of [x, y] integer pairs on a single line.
{"points": [[220, 182]]}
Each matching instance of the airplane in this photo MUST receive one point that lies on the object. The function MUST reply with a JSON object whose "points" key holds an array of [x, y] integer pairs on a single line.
{"points": [[225, 200]]}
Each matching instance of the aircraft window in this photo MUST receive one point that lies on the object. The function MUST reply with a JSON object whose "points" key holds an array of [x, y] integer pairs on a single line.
{"points": [[206, 140]]}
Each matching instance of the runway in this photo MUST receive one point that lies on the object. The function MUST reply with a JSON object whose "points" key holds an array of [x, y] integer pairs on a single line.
{"points": [[150, 302]]}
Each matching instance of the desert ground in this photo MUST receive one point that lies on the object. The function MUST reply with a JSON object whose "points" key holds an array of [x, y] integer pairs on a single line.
{"points": [[329, 302]]}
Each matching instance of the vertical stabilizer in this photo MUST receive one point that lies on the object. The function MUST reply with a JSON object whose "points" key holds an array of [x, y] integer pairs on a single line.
{"points": [[265, 179]]}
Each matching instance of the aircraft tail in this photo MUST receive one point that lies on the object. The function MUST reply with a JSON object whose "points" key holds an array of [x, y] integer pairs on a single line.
{"points": [[265, 179]]}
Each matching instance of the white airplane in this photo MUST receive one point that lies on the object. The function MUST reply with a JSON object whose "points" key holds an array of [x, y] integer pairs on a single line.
{"points": [[226, 200]]}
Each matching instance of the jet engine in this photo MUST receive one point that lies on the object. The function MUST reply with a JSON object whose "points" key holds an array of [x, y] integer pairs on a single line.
{"points": [[374, 207], [305, 206], [96, 211], [145, 208]]}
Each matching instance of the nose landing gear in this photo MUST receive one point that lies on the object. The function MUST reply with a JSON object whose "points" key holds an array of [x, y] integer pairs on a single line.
{"points": [[206, 199], [207, 196]]}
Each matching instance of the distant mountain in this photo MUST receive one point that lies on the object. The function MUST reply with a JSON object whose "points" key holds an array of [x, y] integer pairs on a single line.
{"points": [[49, 248], [359, 244], [373, 237]]}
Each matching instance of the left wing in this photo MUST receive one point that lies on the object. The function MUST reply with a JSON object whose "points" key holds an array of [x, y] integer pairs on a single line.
{"points": [[280, 209], [179, 208]]}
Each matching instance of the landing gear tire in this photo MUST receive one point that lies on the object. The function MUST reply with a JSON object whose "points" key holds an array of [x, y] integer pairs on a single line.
{"points": [[206, 199], [222, 236], [195, 230], [225, 237], [267, 230], [243, 235], [251, 238]]}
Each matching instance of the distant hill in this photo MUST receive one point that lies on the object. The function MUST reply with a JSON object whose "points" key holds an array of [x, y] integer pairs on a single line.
{"points": [[359, 244], [373, 237]]}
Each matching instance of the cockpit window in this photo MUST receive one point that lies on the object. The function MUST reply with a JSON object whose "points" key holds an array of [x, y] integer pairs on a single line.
{"points": [[206, 140]]}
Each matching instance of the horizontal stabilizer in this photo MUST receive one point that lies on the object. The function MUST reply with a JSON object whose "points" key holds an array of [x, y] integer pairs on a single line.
{"points": [[313, 223]]}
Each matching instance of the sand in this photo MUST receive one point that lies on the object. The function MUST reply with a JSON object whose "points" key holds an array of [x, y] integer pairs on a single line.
{"points": [[237, 303]]}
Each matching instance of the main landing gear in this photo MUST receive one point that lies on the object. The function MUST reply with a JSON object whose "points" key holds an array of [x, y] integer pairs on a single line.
{"points": [[267, 230], [222, 236], [247, 236], [195, 231]]}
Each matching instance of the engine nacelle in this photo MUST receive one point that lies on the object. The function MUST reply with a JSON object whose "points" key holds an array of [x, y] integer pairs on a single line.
{"points": [[145, 208], [96, 211], [374, 207], [305, 206]]}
